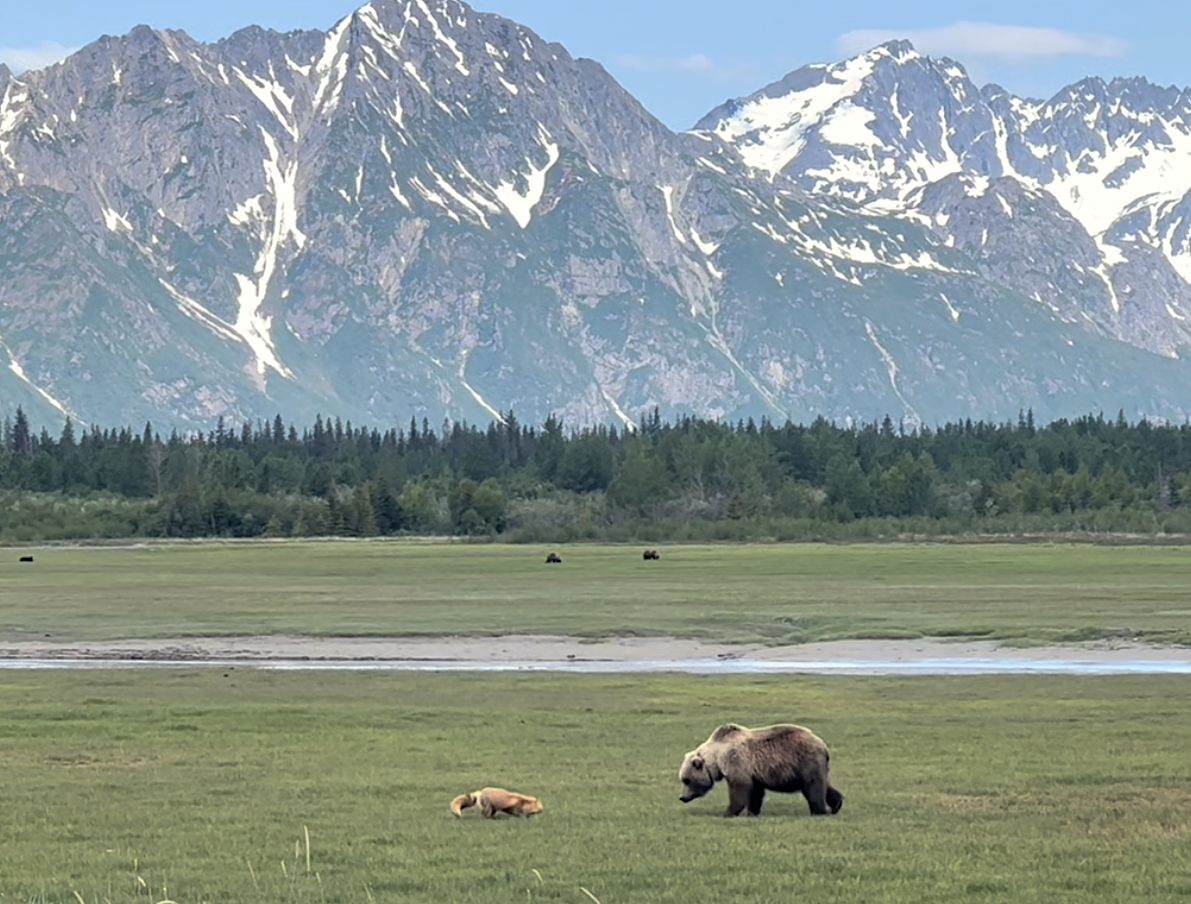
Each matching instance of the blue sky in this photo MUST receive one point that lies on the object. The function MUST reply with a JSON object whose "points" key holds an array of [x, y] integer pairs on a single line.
{"points": [[682, 57]]}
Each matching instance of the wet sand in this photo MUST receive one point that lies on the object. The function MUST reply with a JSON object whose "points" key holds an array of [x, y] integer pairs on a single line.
{"points": [[624, 654]]}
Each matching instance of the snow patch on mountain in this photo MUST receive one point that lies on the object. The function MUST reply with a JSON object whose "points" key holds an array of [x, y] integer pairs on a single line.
{"points": [[331, 69], [12, 112], [769, 131], [15, 366], [951, 310], [115, 222], [520, 203], [471, 204], [274, 97], [200, 313], [496, 415], [668, 195], [890, 363], [617, 410], [442, 37], [1101, 186], [882, 127], [254, 326]]}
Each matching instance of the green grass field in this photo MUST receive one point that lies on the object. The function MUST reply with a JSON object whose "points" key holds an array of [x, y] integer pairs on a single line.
{"points": [[205, 785], [226, 786], [768, 593]]}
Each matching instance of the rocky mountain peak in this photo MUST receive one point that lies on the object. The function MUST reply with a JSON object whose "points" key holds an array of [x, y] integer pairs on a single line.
{"points": [[428, 211]]}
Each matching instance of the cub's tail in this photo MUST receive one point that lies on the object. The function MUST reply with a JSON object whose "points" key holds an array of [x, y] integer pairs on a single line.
{"points": [[463, 801]]}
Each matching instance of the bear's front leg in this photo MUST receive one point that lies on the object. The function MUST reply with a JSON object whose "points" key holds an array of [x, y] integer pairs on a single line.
{"points": [[738, 798], [756, 798]]}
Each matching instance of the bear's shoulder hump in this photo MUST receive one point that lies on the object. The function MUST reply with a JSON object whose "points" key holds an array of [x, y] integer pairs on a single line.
{"points": [[729, 731]]}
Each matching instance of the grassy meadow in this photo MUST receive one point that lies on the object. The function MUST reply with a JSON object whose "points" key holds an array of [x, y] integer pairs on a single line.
{"points": [[779, 593], [231, 785], [212, 785]]}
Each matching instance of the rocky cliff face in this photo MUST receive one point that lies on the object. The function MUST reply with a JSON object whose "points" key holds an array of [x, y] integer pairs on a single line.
{"points": [[429, 211]]}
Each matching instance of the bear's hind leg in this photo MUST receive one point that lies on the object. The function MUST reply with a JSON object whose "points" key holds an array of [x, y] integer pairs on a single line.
{"points": [[738, 798], [756, 799], [815, 792]]}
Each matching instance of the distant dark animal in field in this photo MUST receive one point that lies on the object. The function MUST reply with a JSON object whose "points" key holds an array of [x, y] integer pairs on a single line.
{"points": [[651, 555], [553, 559], [497, 800], [26, 558]]}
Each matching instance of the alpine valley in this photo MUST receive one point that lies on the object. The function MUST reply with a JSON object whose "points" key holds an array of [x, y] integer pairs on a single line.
{"points": [[430, 212]]}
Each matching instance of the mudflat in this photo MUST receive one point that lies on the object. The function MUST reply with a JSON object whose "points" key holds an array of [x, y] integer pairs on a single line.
{"points": [[526, 648]]}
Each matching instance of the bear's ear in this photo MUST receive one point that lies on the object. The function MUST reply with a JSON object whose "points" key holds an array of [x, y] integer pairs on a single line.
{"points": [[697, 763]]}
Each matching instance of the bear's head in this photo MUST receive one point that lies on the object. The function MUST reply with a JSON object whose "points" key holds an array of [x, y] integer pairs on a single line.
{"points": [[697, 776]]}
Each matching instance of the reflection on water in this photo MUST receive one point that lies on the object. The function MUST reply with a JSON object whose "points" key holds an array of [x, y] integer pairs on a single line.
{"points": [[692, 666]]}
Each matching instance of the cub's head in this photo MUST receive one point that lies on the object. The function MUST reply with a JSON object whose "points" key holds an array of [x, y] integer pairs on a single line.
{"points": [[697, 777], [530, 806]]}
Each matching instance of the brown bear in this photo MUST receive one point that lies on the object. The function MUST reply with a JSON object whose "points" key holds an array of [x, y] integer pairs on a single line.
{"points": [[785, 758], [497, 800], [553, 559]]}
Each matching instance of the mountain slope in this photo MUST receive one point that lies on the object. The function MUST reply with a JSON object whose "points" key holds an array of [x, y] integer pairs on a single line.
{"points": [[428, 211], [1079, 202]]}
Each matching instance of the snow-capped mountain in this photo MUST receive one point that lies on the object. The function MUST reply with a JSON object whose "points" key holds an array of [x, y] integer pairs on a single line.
{"points": [[429, 211], [1101, 170]]}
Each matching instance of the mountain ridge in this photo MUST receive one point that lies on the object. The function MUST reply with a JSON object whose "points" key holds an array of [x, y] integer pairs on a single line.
{"points": [[429, 211]]}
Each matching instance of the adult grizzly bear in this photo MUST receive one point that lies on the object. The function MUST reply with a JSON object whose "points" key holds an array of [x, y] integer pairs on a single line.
{"points": [[785, 758], [497, 800]]}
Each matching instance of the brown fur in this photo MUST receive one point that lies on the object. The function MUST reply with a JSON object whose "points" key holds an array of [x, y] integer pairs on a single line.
{"points": [[497, 800], [784, 758], [650, 555]]}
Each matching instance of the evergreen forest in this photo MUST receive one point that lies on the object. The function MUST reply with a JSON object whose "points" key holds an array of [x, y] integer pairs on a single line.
{"points": [[688, 480]]}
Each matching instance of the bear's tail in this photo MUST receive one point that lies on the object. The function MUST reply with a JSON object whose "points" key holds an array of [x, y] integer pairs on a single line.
{"points": [[463, 801]]}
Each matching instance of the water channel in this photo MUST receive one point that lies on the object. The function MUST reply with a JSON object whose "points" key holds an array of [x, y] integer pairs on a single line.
{"points": [[717, 666]]}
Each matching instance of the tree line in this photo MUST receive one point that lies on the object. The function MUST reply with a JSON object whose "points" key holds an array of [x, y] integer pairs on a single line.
{"points": [[687, 479]]}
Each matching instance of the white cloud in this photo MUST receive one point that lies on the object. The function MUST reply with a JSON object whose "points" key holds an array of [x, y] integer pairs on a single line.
{"points": [[696, 64], [45, 54], [1010, 43]]}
